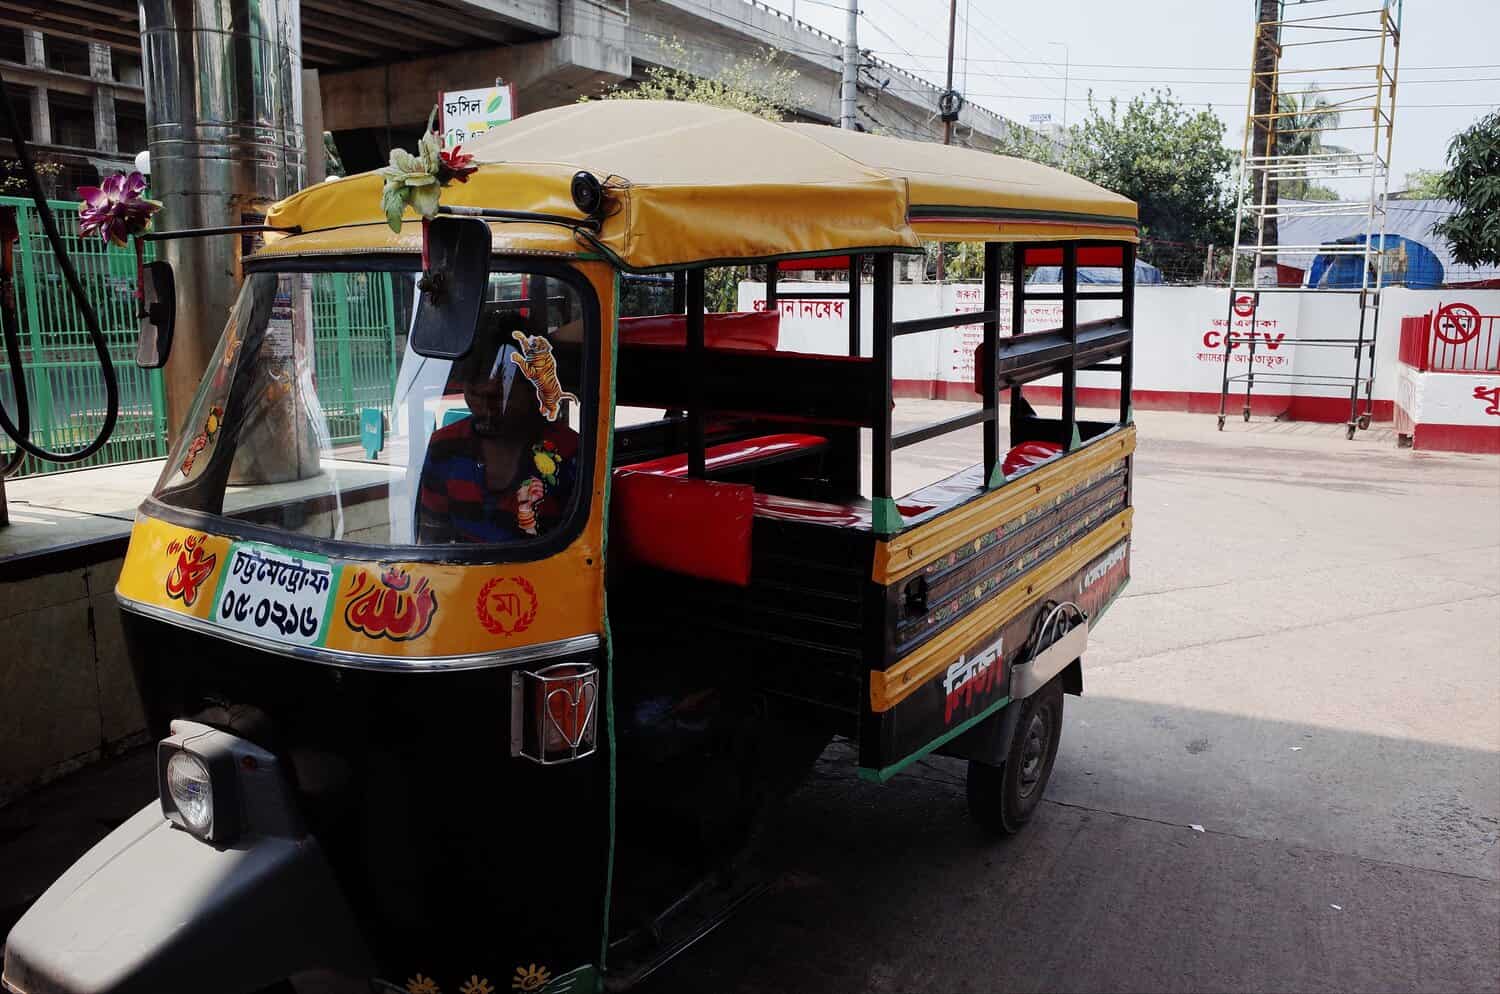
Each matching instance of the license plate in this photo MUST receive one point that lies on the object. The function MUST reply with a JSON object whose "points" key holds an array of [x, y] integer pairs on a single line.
{"points": [[274, 594]]}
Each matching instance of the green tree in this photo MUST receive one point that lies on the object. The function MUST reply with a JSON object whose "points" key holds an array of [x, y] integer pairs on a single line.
{"points": [[1473, 180], [1024, 143], [1421, 184], [759, 84], [1172, 162], [1304, 119]]}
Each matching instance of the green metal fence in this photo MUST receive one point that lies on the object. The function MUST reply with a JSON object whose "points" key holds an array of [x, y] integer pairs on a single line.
{"points": [[61, 367], [353, 329], [354, 333]]}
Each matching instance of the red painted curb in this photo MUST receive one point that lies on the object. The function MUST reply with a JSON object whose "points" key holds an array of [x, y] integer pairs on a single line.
{"points": [[1332, 410]]}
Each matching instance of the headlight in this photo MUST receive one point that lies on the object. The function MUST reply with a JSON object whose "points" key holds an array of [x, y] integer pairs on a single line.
{"points": [[197, 779], [191, 792]]}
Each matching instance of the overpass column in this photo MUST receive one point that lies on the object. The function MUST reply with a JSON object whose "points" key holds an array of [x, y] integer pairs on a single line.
{"points": [[224, 128]]}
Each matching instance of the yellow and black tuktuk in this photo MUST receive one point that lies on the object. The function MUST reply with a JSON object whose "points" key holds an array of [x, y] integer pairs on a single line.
{"points": [[464, 684]]}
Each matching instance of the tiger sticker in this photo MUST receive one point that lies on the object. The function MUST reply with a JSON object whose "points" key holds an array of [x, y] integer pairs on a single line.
{"points": [[537, 365]]}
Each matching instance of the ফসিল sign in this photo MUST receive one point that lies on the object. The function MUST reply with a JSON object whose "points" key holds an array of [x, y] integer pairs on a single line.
{"points": [[274, 595]]}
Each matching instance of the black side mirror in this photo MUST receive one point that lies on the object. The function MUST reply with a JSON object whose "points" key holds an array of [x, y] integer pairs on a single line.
{"points": [[158, 315], [453, 290]]}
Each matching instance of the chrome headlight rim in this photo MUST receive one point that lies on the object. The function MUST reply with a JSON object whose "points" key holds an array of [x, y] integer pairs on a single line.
{"points": [[214, 767]]}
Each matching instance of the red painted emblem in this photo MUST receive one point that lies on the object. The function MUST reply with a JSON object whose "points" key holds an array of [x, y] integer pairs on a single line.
{"points": [[506, 605], [1244, 305], [1490, 395], [1456, 323], [194, 565], [394, 608]]}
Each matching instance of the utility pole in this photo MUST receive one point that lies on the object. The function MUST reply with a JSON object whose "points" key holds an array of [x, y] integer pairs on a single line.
{"points": [[948, 118], [1263, 138], [952, 24], [1067, 62], [849, 90]]}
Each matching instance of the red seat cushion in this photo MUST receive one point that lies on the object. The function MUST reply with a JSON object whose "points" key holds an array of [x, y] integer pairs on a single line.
{"points": [[745, 331], [1027, 455], [729, 454], [816, 512], [694, 527]]}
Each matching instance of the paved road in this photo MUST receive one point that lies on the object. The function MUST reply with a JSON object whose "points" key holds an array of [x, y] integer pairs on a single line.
{"points": [[1306, 664]]}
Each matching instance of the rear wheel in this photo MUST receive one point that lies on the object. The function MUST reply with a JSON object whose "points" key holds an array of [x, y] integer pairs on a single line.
{"points": [[1003, 798]]}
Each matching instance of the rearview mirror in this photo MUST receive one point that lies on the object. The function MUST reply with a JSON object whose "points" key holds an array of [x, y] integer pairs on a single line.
{"points": [[453, 289], [158, 314]]}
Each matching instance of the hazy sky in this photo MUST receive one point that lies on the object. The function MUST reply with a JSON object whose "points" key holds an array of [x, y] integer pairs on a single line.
{"points": [[1450, 54]]}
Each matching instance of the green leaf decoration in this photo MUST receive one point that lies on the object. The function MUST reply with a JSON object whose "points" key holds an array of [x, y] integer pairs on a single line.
{"points": [[393, 203], [494, 104], [424, 199]]}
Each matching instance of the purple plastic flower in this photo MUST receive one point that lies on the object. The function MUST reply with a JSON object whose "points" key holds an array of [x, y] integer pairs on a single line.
{"points": [[117, 209]]}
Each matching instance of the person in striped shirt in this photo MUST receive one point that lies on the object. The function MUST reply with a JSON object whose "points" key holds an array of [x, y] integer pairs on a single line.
{"points": [[504, 473]]}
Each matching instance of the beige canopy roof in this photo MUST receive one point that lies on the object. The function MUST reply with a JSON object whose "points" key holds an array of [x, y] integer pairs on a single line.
{"points": [[697, 184]]}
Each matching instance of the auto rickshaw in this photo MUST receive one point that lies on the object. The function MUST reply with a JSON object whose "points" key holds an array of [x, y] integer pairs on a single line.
{"points": [[470, 686]]}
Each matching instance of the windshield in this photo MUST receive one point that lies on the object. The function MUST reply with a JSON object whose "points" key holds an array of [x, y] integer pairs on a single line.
{"points": [[314, 419]]}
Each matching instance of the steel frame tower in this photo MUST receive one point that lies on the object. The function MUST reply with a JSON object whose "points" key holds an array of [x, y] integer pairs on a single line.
{"points": [[1350, 49]]}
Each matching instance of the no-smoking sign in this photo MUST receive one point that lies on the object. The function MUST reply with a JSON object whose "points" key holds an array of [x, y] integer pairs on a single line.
{"points": [[1456, 323]]}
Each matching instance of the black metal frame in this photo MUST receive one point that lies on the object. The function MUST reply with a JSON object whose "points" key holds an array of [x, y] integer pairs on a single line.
{"points": [[1023, 357]]}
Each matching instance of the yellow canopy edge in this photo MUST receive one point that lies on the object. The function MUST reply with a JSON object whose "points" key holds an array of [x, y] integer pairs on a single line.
{"points": [[693, 184]]}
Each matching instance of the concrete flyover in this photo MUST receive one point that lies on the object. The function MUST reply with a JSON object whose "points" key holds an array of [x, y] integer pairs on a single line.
{"points": [[577, 48]]}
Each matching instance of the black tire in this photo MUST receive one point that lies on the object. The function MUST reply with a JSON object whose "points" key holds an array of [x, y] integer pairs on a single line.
{"points": [[1003, 798]]}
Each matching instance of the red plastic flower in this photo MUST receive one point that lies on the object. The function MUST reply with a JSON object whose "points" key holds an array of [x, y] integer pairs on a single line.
{"points": [[456, 165], [117, 209]]}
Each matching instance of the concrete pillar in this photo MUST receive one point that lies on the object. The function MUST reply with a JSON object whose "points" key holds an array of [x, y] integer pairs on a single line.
{"points": [[312, 127], [223, 82], [41, 110], [106, 137]]}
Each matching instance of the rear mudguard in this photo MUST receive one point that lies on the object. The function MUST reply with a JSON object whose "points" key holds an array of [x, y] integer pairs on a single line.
{"points": [[989, 741], [153, 909]]}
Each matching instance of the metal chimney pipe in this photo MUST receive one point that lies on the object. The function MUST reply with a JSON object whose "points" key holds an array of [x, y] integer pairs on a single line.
{"points": [[224, 125]]}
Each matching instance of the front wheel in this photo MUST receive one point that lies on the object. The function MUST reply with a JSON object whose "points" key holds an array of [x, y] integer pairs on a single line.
{"points": [[1003, 798]]}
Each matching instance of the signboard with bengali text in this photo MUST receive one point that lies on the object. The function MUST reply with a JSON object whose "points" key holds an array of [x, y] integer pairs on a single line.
{"points": [[465, 114]]}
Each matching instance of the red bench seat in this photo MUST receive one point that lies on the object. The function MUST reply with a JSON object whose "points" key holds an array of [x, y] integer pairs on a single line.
{"points": [[730, 454], [752, 331]]}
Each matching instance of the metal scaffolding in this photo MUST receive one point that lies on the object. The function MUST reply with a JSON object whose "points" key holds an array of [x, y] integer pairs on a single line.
{"points": [[1347, 52]]}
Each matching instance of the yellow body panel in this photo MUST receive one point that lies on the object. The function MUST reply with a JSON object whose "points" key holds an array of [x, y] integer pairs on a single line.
{"points": [[914, 548], [473, 609], [889, 687]]}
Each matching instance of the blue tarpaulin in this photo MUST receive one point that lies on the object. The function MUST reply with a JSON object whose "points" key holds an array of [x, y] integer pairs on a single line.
{"points": [[1145, 274], [1421, 270]]}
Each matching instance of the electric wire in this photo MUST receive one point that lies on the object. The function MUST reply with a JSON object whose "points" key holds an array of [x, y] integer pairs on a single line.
{"points": [[19, 431]]}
